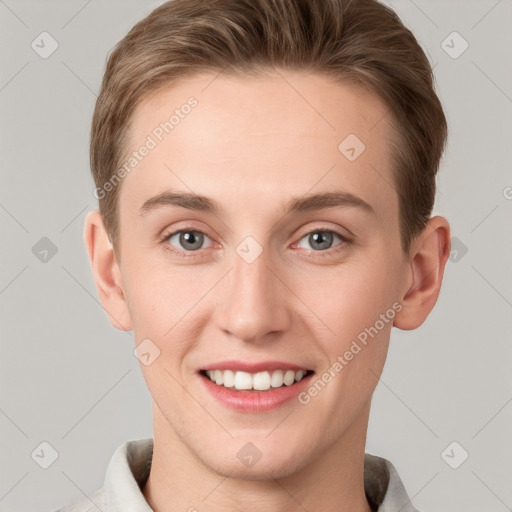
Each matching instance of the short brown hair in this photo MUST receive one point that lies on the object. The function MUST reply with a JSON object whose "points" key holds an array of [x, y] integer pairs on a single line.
{"points": [[362, 41]]}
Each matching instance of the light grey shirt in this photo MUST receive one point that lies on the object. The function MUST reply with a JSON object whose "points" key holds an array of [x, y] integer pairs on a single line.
{"points": [[129, 468]]}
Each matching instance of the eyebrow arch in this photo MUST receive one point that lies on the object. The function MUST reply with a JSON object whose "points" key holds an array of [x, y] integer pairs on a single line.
{"points": [[308, 203]]}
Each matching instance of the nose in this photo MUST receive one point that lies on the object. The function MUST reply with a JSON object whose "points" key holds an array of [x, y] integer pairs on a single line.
{"points": [[254, 301]]}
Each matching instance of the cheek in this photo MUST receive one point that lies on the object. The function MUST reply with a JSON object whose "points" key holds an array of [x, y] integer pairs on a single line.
{"points": [[161, 306], [350, 298], [356, 304], [156, 293], [163, 300]]}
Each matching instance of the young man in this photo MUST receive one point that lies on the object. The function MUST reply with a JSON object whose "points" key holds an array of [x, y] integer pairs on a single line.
{"points": [[265, 171]]}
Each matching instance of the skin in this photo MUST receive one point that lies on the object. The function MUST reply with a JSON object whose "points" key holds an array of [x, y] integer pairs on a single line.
{"points": [[251, 144]]}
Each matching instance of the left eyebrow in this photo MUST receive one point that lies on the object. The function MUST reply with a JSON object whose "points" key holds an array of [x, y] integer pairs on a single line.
{"points": [[328, 200], [313, 202]]}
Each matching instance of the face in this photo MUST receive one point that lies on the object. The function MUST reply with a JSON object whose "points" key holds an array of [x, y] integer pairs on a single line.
{"points": [[258, 276]]}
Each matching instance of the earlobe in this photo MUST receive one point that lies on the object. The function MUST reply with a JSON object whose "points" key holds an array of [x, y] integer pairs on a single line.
{"points": [[106, 272], [427, 262]]}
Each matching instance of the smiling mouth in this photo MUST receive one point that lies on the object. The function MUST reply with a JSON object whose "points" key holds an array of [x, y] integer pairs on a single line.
{"points": [[260, 381]]}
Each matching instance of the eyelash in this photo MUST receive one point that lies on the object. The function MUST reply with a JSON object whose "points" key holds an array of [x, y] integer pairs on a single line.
{"points": [[345, 241]]}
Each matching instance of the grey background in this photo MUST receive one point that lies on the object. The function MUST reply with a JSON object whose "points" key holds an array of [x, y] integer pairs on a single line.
{"points": [[69, 378]]}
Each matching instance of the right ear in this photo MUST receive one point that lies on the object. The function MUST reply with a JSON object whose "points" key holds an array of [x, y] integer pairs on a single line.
{"points": [[106, 272]]}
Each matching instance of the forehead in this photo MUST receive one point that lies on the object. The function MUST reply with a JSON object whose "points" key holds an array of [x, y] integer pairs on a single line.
{"points": [[254, 138]]}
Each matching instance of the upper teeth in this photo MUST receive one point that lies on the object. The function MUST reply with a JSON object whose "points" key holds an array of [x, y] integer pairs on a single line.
{"points": [[260, 381]]}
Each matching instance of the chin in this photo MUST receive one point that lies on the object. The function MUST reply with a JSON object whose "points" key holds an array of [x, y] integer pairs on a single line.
{"points": [[249, 463], [260, 471]]}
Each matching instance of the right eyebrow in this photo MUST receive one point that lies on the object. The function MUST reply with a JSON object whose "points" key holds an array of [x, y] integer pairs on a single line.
{"points": [[184, 199]]}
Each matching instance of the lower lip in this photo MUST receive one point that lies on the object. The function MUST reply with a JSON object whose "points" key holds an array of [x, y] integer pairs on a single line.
{"points": [[254, 401]]}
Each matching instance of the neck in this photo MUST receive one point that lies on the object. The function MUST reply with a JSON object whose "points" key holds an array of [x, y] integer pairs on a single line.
{"points": [[332, 482]]}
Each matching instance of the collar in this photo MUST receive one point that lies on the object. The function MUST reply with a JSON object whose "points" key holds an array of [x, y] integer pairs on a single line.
{"points": [[129, 468]]}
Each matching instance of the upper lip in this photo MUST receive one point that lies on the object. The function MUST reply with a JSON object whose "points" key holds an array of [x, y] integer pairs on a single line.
{"points": [[253, 367]]}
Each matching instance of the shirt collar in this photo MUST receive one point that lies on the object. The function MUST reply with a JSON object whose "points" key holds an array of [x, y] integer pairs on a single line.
{"points": [[129, 468]]}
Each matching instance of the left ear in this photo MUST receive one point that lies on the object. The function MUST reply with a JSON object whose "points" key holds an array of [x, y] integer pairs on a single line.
{"points": [[429, 254]]}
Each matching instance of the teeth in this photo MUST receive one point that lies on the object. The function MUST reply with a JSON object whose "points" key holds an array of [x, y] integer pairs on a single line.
{"points": [[289, 377], [228, 378], [277, 379], [243, 380], [261, 381]]}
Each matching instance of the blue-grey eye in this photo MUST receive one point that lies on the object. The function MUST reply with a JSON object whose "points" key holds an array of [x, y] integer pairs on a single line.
{"points": [[190, 240], [320, 239]]}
